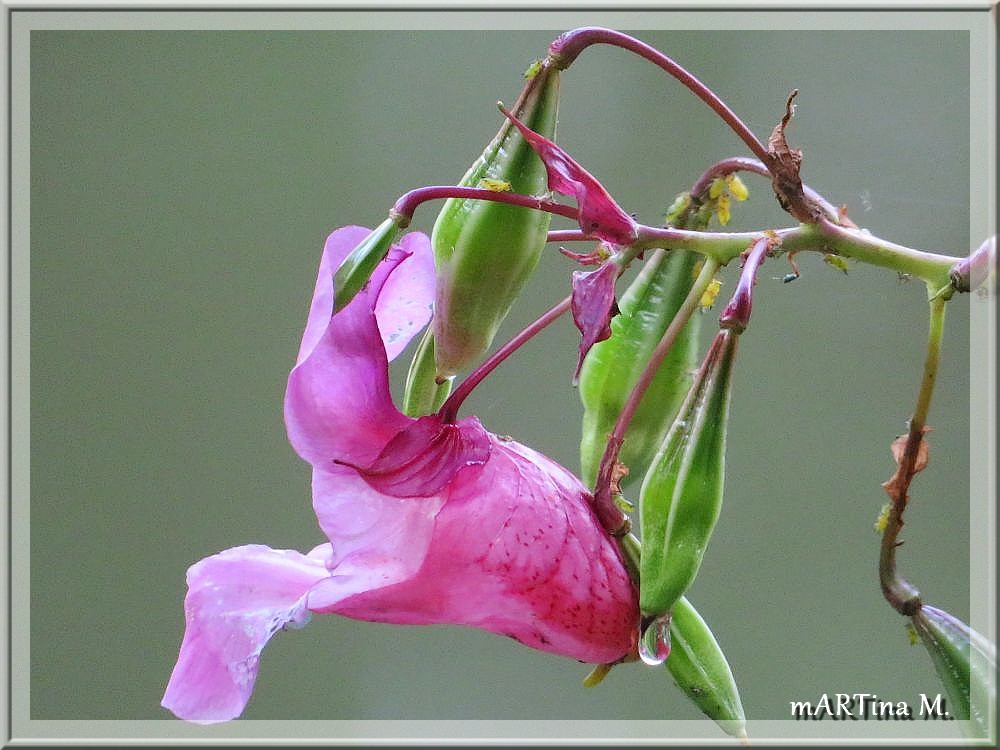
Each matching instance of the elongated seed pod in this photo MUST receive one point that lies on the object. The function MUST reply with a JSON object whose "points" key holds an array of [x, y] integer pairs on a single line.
{"points": [[681, 494], [485, 251], [613, 366], [965, 662], [700, 669]]}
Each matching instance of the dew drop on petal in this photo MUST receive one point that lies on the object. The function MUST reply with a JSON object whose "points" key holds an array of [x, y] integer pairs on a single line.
{"points": [[654, 641]]}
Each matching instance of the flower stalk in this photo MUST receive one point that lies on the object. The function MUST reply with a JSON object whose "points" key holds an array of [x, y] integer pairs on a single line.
{"points": [[568, 46], [449, 410], [900, 593], [404, 208]]}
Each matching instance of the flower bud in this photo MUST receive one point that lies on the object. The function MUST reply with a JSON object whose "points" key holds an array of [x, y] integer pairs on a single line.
{"points": [[682, 493], [700, 669], [485, 251], [966, 664], [972, 272]]}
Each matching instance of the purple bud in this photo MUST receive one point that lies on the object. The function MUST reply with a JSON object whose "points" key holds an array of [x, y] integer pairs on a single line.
{"points": [[736, 316], [972, 272]]}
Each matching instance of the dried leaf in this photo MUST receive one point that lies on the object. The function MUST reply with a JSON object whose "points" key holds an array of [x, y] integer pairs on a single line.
{"points": [[785, 165], [898, 449]]}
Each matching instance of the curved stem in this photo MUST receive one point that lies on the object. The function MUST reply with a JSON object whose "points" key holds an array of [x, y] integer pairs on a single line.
{"points": [[403, 209], [565, 49], [746, 164], [449, 411], [899, 592]]}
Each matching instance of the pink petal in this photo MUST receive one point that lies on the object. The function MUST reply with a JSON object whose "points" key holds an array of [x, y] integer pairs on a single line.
{"points": [[337, 404], [511, 546], [236, 601], [593, 307], [378, 540], [600, 215], [407, 300], [424, 457]]}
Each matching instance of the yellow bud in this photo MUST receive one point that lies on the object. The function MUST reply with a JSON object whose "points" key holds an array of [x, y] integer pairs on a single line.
{"points": [[597, 675], [722, 209], [883, 519], [710, 293], [736, 188], [836, 261], [717, 187]]}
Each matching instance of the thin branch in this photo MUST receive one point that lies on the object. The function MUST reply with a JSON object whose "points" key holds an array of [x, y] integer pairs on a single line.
{"points": [[902, 595]]}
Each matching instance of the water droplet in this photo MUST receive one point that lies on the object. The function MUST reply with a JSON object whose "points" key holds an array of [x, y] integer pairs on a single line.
{"points": [[654, 641]]}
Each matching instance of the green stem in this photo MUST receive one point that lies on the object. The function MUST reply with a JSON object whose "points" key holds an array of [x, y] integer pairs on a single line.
{"points": [[824, 237], [899, 592]]}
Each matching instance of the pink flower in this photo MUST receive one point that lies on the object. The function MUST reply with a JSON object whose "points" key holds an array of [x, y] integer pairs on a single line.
{"points": [[428, 522]]}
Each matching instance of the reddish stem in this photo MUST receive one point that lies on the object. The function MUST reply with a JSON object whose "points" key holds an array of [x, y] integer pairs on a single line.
{"points": [[611, 516], [567, 46], [408, 202], [568, 235], [449, 410]]}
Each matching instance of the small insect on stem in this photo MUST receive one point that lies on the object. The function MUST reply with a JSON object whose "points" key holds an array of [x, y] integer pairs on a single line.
{"points": [[795, 269]]}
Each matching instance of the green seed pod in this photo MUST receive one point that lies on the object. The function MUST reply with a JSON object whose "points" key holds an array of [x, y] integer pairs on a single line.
{"points": [[681, 494], [613, 366], [700, 669], [485, 251], [966, 664]]}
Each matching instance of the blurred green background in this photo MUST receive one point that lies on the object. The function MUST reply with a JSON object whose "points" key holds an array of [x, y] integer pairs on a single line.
{"points": [[182, 184]]}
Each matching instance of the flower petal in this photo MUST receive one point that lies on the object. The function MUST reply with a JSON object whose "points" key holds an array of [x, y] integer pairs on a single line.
{"points": [[593, 306], [236, 601], [337, 404], [407, 300], [510, 546], [378, 540], [405, 304], [600, 215], [424, 457]]}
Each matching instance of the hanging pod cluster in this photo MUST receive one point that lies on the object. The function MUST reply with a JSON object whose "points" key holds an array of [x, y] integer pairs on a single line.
{"points": [[484, 251], [676, 441]]}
